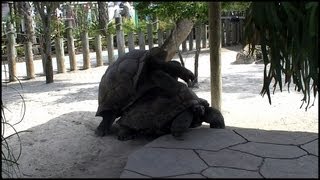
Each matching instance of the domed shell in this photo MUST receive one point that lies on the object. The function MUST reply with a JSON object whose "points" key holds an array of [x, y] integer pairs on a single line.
{"points": [[156, 112], [118, 85]]}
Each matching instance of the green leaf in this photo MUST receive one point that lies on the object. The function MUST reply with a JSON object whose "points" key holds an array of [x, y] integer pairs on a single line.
{"points": [[290, 31]]}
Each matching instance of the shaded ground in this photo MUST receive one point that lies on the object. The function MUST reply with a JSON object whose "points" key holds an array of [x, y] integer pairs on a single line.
{"points": [[227, 153]]}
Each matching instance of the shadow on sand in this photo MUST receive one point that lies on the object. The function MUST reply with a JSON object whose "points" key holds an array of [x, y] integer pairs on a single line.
{"points": [[66, 146]]}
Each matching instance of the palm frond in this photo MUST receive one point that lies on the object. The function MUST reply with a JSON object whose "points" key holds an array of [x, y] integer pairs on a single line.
{"points": [[288, 35]]}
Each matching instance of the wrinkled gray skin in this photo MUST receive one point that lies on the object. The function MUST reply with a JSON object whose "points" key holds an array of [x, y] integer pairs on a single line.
{"points": [[127, 79], [170, 107]]}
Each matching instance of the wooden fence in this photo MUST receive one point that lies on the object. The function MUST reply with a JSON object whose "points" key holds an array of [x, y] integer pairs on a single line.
{"points": [[231, 34]]}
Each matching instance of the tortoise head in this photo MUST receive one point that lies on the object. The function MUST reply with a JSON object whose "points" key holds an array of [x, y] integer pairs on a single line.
{"points": [[214, 118]]}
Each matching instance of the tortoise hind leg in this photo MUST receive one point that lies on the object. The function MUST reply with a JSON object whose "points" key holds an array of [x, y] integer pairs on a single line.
{"points": [[104, 127], [181, 124]]}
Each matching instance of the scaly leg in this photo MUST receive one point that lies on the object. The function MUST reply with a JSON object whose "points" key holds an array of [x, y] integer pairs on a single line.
{"points": [[181, 124], [104, 127]]}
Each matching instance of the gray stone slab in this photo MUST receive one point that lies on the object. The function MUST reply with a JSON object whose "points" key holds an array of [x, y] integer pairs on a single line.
{"points": [[189, 176], [270, 150], [202, 138], [218, 172], [303, 167], [230, 158], [312, 147], [130, 174], [277, 137], [160, 162]]}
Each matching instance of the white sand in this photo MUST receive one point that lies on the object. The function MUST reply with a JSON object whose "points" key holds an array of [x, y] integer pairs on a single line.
{"points": [[61, 121]]}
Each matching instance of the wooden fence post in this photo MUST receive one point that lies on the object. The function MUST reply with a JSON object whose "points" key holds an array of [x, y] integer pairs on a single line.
{"points": [[70, 40], [131, 41], [60, 54], [141, 40], [223, 25], [238, 32], [160, 37], [98, 49], [241, 30], [233, 32], [85, 50], [110, 47], [120, 37], [150, 35], [228, 34], [12, 54]]}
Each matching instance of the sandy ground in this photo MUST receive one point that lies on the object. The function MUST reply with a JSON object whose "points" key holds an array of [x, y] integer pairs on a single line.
{"points": [[59, 118]]}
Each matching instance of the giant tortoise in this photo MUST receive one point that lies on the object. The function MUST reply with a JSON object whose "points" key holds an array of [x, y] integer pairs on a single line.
{"points": [[171, 107], [128, 78]]}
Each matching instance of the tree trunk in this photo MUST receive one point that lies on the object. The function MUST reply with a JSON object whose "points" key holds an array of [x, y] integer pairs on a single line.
{"points": [[165, 34], [85, 50], [43, 54], [178, 35], [46, 10], [70, 40], [47, 40], [18, 23], [103, 17], [28, 39], [198, 36], [103, 23], [12, 55], [196, 65], [184, 45], [181, 58], [98, 50], [215, 53], [190, 38], [198, 48], [60, 54]]}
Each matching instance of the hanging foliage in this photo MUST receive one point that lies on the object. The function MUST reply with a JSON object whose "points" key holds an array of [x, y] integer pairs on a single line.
{"points": [[288, 35], [167, 11]]}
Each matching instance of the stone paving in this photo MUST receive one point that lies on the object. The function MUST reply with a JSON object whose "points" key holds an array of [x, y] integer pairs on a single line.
{"points": [[227, 153]]}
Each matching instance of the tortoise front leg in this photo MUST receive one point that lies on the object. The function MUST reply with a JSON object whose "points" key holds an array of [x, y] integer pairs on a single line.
{"points": [[108, 117], [173, 68], [181, 124]]}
